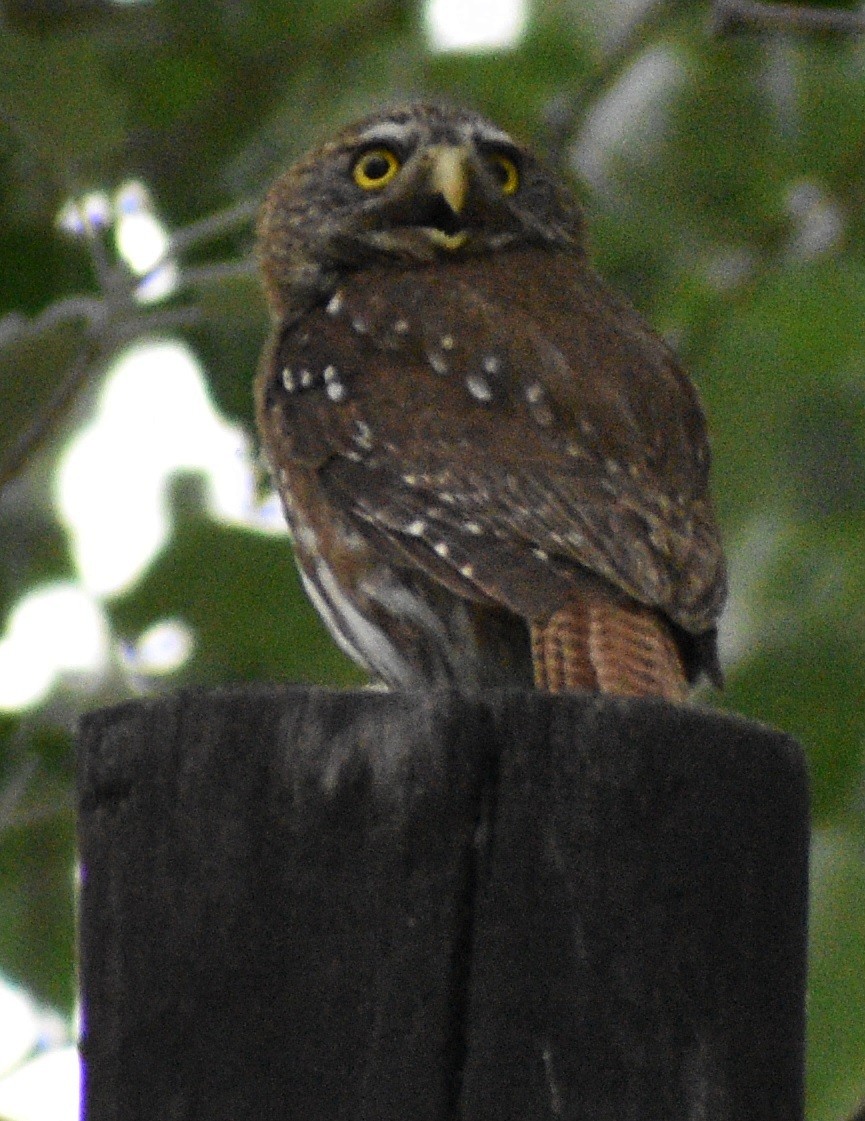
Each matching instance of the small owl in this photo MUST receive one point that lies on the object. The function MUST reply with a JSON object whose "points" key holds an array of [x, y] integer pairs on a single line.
{"points": [[494, 472]]}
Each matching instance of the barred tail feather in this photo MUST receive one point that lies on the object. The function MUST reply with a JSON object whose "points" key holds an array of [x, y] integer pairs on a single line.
{"points": [[605, 646]]}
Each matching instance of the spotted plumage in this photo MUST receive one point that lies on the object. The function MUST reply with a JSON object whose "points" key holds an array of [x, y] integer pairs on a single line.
{"points": [[494, 472]]}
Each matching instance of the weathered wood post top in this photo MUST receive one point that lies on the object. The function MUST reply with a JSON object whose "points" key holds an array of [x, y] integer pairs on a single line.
{"points": [[307, 904]]}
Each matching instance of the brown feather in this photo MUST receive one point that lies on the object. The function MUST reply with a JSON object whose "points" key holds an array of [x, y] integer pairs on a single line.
{"points": [[479, 446], [586, 488], [608, 646]]}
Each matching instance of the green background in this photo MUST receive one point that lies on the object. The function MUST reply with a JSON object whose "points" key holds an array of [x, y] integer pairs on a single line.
{"points": [[729, 206]]}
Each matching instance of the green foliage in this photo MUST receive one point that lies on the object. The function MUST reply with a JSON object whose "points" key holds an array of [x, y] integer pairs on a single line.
{"points": [[724, 194], [837, 984], [240, 593]]}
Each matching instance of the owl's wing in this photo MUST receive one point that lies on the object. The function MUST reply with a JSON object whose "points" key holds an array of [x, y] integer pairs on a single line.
{"points": [[511, 442]]}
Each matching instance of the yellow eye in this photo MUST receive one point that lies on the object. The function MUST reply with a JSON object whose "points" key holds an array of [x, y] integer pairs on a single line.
{"points": [[506, 171], [375, 169]]}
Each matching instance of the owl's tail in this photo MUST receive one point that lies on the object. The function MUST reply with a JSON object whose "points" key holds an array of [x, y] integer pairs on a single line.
{"points": [[602, 645]]}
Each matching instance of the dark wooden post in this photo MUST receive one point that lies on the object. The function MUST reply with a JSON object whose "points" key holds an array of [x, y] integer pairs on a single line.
{"points": [[307, 904]]}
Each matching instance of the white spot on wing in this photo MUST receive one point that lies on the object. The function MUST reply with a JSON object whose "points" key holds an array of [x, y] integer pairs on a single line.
{"points": [[479, 387], [363, 435], [442, 549], [288, 381], [334, 306], [541, 412], [437, 361], [417, 528]]}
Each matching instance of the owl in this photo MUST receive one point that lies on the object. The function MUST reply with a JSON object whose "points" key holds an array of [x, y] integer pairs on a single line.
{"points": [[493, 471]]}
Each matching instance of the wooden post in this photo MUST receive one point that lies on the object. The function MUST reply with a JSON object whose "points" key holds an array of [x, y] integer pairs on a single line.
{"points": [[319, 905]]}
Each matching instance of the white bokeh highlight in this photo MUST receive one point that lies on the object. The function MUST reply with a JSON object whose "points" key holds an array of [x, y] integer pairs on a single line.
{"points": [[19, 1027], [141, 241], [630, 119], [55, 630], [48, 1088], [39, 1069], [475, 25], [154, 418], [162, 648]]}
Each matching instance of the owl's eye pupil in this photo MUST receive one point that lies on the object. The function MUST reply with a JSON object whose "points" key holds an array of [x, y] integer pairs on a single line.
{"points": [[375, 169]]}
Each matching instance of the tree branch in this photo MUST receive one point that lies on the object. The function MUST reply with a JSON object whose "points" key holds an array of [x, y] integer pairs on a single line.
{"points": [[215, 225], [756, 15], [197, 276], [89, 309]]}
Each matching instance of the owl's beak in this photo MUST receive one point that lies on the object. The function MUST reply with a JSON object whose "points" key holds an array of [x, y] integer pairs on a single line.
{"points": [[449, 181], [449, 175]]}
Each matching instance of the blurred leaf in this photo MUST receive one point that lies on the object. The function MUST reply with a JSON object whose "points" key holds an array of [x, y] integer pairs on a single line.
{"points": [[47, 16], [806, 669], [56, 100], [374, 70], [799, 329], [46, 266], [825, 451], [35, 362], [553, 56], [836, 1001], [239, 592], [235, 326], [37, 860], [831, 125], [806, 688]]}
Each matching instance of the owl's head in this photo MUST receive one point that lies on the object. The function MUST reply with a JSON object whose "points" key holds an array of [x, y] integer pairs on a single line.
{"points": [[409, 184]]}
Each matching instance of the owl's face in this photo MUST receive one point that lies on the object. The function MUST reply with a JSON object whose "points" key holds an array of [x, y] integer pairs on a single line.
{"points": [[411, 184]]}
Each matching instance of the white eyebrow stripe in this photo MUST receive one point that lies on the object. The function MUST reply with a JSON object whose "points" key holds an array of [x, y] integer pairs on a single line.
{"points": [[488, 134], [387, 131]]}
